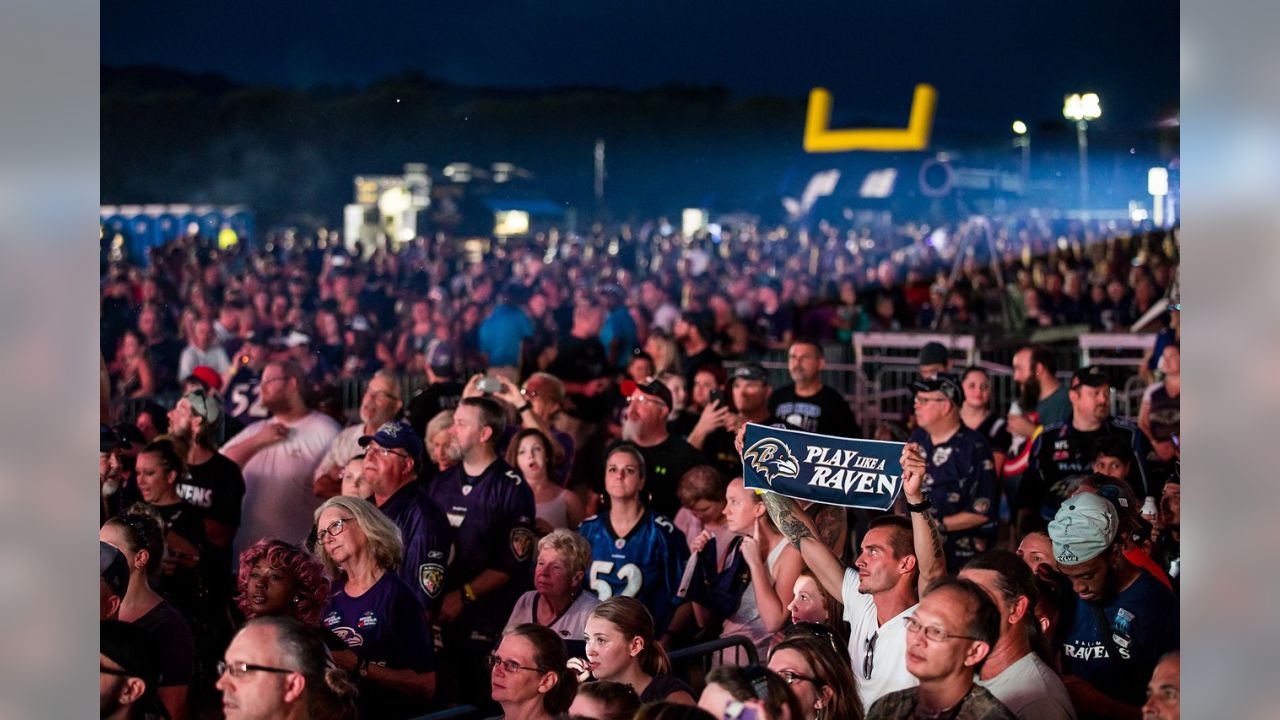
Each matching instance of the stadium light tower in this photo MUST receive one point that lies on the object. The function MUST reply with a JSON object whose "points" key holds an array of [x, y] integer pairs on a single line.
{"points": [[1082, 108], [1023, 140]]}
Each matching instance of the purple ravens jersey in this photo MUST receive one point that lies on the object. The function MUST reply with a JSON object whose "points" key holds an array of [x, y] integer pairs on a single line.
{"points": [[385, 626], [960, 477], [427, 541], [647, 564], [244, 397], [492, 519]]}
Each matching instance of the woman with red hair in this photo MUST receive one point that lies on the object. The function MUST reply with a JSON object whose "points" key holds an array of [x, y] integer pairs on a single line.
{"points": [[277, 578]]}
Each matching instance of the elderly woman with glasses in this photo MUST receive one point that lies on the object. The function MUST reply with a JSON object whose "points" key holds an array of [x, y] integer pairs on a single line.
{"points": [[374, 611], [528, 674], [557, 599]]}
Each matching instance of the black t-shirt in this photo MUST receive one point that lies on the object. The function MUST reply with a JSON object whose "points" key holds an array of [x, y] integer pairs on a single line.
{"points": [[663, 686], [216, 488], [664, 465], [171, 641], [1062, 452], [704, 358], [826, 413], [719, 451], [186, 587], [428, 402], [581, 360], [683, 424], [996, 431]]}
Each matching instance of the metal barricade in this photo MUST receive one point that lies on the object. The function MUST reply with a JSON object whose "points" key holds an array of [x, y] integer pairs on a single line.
{"points": [[685, 658]]}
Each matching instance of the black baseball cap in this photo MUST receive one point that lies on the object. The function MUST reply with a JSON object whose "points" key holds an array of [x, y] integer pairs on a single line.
{"points": [[108, 440], [750, 371], [1091, 375], [653, 387], [113, 568], [943, 383], [128, 646]]}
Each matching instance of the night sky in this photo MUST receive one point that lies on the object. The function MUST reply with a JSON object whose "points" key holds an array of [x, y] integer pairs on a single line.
{"points": [[992, 61]]}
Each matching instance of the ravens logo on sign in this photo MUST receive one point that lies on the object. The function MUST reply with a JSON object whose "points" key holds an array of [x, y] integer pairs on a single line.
{"points": [[771, 459]]}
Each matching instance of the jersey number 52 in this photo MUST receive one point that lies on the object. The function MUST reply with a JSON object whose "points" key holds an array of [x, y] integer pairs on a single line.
{"points": [[629, 574]]}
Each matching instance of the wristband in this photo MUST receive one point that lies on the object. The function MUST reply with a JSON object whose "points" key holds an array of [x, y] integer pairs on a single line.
{"points": [[920, 507], [468, 595], [524, 407]]}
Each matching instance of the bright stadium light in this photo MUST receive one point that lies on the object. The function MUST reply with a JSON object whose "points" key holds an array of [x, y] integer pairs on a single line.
{"points": [[1081, 108], [1019, 127]]}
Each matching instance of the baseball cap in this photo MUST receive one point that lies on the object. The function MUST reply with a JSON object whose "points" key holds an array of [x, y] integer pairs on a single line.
{"points": [[113, 568], [934, 353], [207, 406], [259, 337], [1083, 529], [750, 371], [129, 435], [108, 440], [128, 646], [1092, 375], [654, 387], [943, 383], [207, 377], [397, 435], [296, 339]]}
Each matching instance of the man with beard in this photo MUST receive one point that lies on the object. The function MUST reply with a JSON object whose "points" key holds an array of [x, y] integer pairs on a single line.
{"points": [[213, 484], [381, 404], [278, 457], [808, 404], [1121, 620], [1068, 449], [491, 510], [666, 457], [1041, 396]]}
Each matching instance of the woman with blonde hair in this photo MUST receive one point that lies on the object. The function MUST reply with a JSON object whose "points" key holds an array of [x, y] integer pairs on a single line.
{"points": [[621, 647], [377, 614], [557, 599]]}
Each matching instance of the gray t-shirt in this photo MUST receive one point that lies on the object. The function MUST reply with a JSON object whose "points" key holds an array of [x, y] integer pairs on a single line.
{"points": [[1031, 690], [1056, 408]]}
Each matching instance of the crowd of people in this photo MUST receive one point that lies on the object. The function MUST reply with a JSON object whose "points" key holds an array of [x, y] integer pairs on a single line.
{"points": [[560, 506]]}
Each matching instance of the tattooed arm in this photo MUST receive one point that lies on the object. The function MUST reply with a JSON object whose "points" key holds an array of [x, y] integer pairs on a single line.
{"points": [[798, 528], [832, 523], [926, 534]]}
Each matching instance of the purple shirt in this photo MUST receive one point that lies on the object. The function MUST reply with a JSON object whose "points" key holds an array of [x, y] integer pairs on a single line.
{"points": [[385, 626]]}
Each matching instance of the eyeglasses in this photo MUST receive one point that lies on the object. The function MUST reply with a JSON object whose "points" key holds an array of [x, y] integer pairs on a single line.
{"points": [[869, 657], [334, 529], [509, 666], [385, 452], [638, 398], [791, 677], [382, 394], [238, 669], [932, 632]]}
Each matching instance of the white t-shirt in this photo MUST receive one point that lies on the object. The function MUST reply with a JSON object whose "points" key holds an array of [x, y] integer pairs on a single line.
{"points": [[344, 447], [889, 661], [1031, 690], [569, 626], [278, 500]]}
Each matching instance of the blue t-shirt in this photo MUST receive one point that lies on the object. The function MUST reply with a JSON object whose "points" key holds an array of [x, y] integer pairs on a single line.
{"points": [[384, 626], [501, 334], [647, 564], [1143, 624], [620, 327], [492, 517], [427, 540], [960, 477]]}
